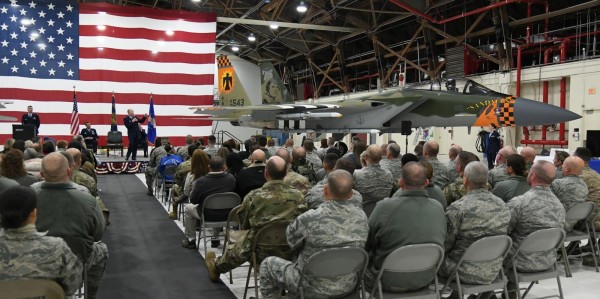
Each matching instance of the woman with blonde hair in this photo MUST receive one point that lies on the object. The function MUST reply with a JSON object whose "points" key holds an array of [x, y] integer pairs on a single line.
{"points": [[13, 167]]}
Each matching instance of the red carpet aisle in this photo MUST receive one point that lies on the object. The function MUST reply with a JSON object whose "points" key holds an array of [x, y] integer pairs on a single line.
{"points": [[146, 260]]}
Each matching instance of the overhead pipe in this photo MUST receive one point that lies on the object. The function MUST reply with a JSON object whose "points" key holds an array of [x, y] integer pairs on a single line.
{"points": [[563, 84], [462, 15], [546, 84]]}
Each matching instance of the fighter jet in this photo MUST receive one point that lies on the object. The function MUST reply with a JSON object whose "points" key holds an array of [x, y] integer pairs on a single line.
{"points": [[4, 117], [449, 103]]}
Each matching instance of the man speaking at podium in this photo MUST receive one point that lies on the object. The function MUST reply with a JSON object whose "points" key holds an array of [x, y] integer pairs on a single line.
{"points": [[31, 118], [133, 132]]}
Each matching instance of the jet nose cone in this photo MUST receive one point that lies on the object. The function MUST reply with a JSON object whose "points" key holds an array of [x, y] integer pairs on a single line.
{"points": [[532, 113]]}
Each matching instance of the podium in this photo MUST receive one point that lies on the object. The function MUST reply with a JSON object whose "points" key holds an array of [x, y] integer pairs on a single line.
{"points": [[23, 132]]}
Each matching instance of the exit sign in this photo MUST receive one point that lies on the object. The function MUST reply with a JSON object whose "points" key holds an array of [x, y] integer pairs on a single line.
{"points": [[592, 90]]}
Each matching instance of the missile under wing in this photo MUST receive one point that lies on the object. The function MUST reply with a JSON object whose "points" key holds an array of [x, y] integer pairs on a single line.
{"points": [[454, 103]]}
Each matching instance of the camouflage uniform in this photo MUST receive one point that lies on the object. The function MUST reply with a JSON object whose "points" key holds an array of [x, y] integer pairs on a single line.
{"points": [[211, 150], [592, 180], [297, 181], [440, 173], [314, 159], [452, 173], [514, 186], [373, 182], [570, 190], [275, 201], [333, 224], [85, 180], [498, 174], [478, 214], [394, 166], [180, 174], [89, 169], [153, 162], [314, 198], [182, 151], [457, 190], [306, 169], [27, 254], [537, 209]]}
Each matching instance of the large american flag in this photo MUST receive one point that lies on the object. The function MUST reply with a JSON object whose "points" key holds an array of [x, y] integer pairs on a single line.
{"points": [[47, 47]]}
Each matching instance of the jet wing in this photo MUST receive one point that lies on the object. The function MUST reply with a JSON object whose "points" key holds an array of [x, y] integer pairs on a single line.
{"points": [[273, 111]]}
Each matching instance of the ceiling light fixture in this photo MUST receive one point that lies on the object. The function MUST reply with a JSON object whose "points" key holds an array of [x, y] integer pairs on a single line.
{"points": [[301, 8], [169, 32], [251, 37], [274, 26], [235, 48]]}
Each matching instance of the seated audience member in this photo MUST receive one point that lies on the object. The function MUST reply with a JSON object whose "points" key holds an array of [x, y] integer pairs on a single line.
{"points": [[252, 177], [271, 148], [223, 152], [28, 254], [373, 182], [61, 145], [336, 223], [171, 159], [358, 147], [14, 168], [301, 165], [215, 181], [433, 191], [498, 173], [478, 214], [289, 145], [274, 201], [32, 163], [8, 145], [48, 147], [559, 158], [393, 161], [292, 178], [571, 189], [234, 164], [20, 145], [312, 155], [6, 183], [199, 169], [183, 150], [537, 209], [153, 162], [180, 174], [409, 217], [79, 177], [211, 149], [408, 158], [592, 180], [38, 186], [328, 165], [529, 154], [516, 184], [262, 143], [64, 211], [252, 146], [314, 197], [452, 154], [431, 150], [88, 160], [457, 190]]}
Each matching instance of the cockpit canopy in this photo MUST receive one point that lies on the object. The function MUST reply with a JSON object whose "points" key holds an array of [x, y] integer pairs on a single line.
{"points": [[456, 85]]}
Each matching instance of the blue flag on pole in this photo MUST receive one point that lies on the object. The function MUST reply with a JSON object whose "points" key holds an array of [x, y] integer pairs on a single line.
{"points": [[151, 123], [113, 116]]}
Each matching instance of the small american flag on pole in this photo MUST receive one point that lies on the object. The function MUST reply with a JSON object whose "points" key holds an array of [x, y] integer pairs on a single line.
{"points": [[74, 115]]}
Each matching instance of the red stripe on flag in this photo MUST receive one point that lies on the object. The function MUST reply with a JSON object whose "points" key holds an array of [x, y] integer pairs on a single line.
{"points": [[118, 54], [118, 76], [105, 118], [149, 34], [102, 97], [177, 141], [155, 13]]}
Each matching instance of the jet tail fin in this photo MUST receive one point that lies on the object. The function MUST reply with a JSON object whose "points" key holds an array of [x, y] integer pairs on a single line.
{"points": [[231, 90], [273, 91]]}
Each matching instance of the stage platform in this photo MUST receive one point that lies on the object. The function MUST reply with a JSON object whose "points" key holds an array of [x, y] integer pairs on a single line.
{"points": [[115, 164]]}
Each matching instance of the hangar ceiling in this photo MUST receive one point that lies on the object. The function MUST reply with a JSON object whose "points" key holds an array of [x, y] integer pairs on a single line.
{"points": [[347, 44]]}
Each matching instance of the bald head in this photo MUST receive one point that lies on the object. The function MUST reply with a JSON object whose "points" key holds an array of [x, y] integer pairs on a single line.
{"points": [[431, 149], [542, 173], [289, 142], [453, 151], [259, 156], [55, 168], [283, 154], [573, 166], [414, 176], [299, 153], [76, 156], [503, 154], [373, 154], [276, 169], [528, 153], [339, 185]]}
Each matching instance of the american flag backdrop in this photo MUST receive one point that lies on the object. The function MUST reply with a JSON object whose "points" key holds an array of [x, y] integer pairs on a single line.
{"points": [[47, 47]]}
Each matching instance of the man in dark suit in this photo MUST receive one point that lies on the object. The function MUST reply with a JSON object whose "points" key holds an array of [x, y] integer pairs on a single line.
{"points": [[90, 136], [133, 132], [143, 143], [31, 118]]}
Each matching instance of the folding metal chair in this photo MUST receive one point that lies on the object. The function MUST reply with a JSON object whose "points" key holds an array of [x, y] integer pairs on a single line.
{"points": [[583, 211], [482, 250], [31, 288], [219, 201], [539, 242], [232, 236], [167, 180], [336, 262], [418, 258], [272, 236]]}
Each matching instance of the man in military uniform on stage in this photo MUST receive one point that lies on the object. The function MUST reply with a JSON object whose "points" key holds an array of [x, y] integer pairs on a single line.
{"points": [[478, 214], [90, 137], [274, 201], [570, 189], [336, 223], [31, 118]]}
